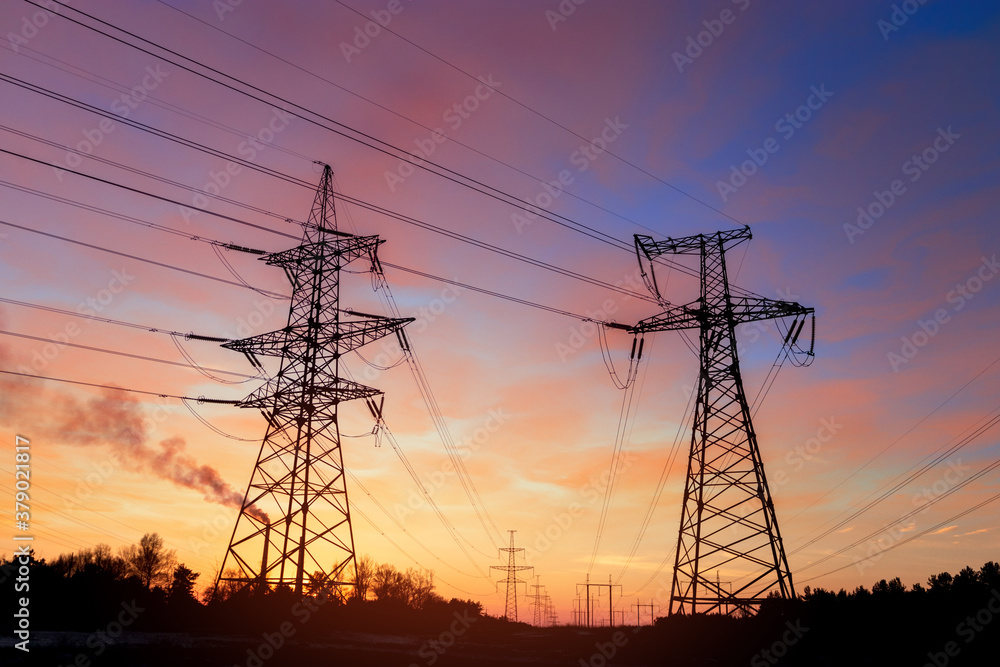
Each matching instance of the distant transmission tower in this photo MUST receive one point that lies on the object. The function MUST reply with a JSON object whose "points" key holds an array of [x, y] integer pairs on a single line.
{"points": [[727, 518], [538, 598], [551, 618], [511, 568], [294, 527]]}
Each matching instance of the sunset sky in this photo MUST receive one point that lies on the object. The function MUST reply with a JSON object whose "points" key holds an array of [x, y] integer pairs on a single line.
{"points": [[858, 140]]}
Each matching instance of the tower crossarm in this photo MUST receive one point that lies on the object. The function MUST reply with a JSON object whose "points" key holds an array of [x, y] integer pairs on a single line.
{"points": [[699, 244], [514, 568], [755, 308], [687, 316], [288, 397], [741, 309], [689, 245], [298, 339], [345, 247]]}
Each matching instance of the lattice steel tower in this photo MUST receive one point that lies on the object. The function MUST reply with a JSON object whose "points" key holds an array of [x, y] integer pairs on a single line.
{"points": [[511, 568], [294, 526], [537, 599], [727, 521]]}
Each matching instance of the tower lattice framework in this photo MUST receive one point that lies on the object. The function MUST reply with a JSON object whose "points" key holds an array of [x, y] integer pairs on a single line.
{"points": [[294, 527], [537, 599], [728, 521], [511, 568]]}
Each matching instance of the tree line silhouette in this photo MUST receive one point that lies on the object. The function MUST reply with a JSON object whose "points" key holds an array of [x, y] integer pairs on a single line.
{"points": [[75, 591], [949, 620]]}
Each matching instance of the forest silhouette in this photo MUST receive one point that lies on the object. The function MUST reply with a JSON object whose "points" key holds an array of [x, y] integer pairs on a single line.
{"points": [[141, 606]]}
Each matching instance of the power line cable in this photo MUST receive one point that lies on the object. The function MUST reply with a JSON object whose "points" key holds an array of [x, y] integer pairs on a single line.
{"points": [[440, 424], [990, 422], [382, 147], [547, 118], [148, 194], [109, 213], [393, 112], [896, 441], [668, 466], [904, 517], [140, 172], [145, 260], [362, 137], [118, 353], [348, 199], [200, 399], [162, 134], [452, 531], [499, 295], [107, 320], [926, 467], [933, 528], [72, 69], [617, 452], [382, 508]]}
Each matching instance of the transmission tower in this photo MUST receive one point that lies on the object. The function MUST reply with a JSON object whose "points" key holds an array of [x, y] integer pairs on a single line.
{"points": [[551, 618], [511, 568], [610, 586], [652, 612], [537, 599], [294, 527], [727, 517]]}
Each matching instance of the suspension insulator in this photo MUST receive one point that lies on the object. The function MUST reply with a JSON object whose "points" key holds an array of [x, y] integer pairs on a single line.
{"points": [[211, 339], [403, 343], [216, 401], [788, 335], [240, 248], [252, 358], [634, 341], [642, 341], [798, 331]]}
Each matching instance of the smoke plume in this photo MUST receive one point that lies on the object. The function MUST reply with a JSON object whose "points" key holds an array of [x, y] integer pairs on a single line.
{"points": [[119, 422], [115, 420]]}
